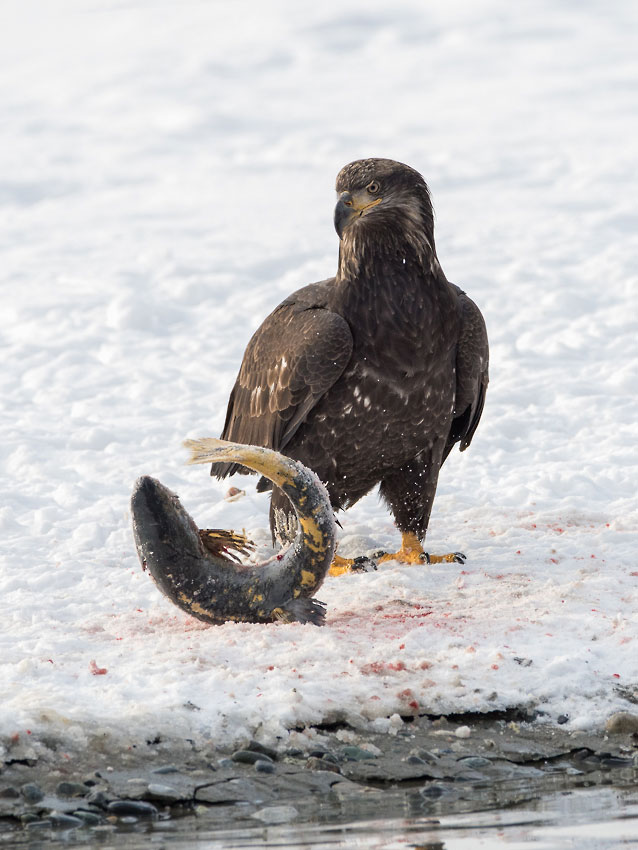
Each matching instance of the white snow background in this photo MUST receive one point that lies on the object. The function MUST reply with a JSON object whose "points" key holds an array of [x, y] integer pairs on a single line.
{"points": [[166, 178]]}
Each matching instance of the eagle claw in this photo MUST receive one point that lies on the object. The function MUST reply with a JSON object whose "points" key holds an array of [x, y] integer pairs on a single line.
{"points": [[363, 564]]}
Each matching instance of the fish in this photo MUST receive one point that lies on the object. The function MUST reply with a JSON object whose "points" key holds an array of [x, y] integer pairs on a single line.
{"points": [[206, 581]]}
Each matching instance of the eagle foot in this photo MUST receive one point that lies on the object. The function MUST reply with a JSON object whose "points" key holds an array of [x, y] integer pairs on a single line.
{"points": [[226, 544], [411, 551], [448, 558], [340, 565]]}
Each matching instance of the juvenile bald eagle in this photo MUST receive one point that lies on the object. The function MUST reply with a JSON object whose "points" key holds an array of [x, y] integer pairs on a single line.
{"points": [[372, 376]]}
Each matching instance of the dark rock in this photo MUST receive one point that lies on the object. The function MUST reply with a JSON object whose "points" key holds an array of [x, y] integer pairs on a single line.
{"points": [[136, 808], [65, 821], [98, 798], [425, 756], [256, 747], [330, 757], [9, 793], [475, 762], [38, 824], [225, 762], [28, 817], [87, 818], [433, 791], [248, 757], [294, 753], [167, 768], [562, 718], [71, 789], [413, 759], [317, 752], [608, 760], [524, 662], [263, 766], [32, 793]]}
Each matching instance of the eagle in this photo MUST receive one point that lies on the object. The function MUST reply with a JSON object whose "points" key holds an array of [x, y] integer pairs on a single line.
{"points": [[372, 376]]}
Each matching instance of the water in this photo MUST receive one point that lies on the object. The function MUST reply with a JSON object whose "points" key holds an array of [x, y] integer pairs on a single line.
{"points": [[587, 819]]}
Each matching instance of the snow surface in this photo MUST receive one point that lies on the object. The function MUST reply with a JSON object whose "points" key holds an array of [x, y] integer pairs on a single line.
{"points": [[166, 178]]}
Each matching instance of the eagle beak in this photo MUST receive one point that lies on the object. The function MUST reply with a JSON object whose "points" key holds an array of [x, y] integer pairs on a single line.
{"points": [[351, 206]]}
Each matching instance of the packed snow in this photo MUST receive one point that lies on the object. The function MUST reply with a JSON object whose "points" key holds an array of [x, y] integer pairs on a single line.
{"points": [[167, 177]]}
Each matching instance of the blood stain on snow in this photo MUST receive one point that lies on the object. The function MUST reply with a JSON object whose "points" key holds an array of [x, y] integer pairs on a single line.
{"points": [[95, 670]]}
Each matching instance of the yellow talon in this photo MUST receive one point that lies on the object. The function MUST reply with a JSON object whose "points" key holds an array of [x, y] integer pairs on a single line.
{"points": [[340, 566]]}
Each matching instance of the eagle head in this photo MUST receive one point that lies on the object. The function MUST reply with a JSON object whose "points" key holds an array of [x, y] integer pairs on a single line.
{"points": [[382, 199]]}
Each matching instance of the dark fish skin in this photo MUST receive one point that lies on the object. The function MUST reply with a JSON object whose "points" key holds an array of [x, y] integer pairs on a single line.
{"points": [[215, 589]]}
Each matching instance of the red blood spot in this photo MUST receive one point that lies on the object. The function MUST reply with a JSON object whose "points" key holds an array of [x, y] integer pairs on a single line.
{"points": [[494, 666], [28, 731], [402, 646], [351, 661], [279, 557], [375, 697], [616, 675], [95, 670], [518, 551], [140, 610], [553, 560], [633, 574], [50, 660], [455, 667], [271, 667], [15, 737], [425, 665], [397, 665], [592, 556], [413, 704]]}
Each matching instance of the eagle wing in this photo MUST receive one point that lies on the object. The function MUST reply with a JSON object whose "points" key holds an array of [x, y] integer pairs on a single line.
{"points": [[297, 354], [472, 372]]}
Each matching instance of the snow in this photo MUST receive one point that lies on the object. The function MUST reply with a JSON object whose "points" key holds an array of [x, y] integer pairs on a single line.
{"points": [[167, 174]]}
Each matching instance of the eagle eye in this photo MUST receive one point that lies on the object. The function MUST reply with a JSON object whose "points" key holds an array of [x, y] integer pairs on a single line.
{"points": [[373, 187]]}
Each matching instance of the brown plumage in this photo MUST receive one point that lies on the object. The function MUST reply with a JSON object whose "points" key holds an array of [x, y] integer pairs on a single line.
{"points": [[372, 376]]}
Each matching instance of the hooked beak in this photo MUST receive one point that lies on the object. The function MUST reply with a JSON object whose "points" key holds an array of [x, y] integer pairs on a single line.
{"points": [[351, 206]]}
